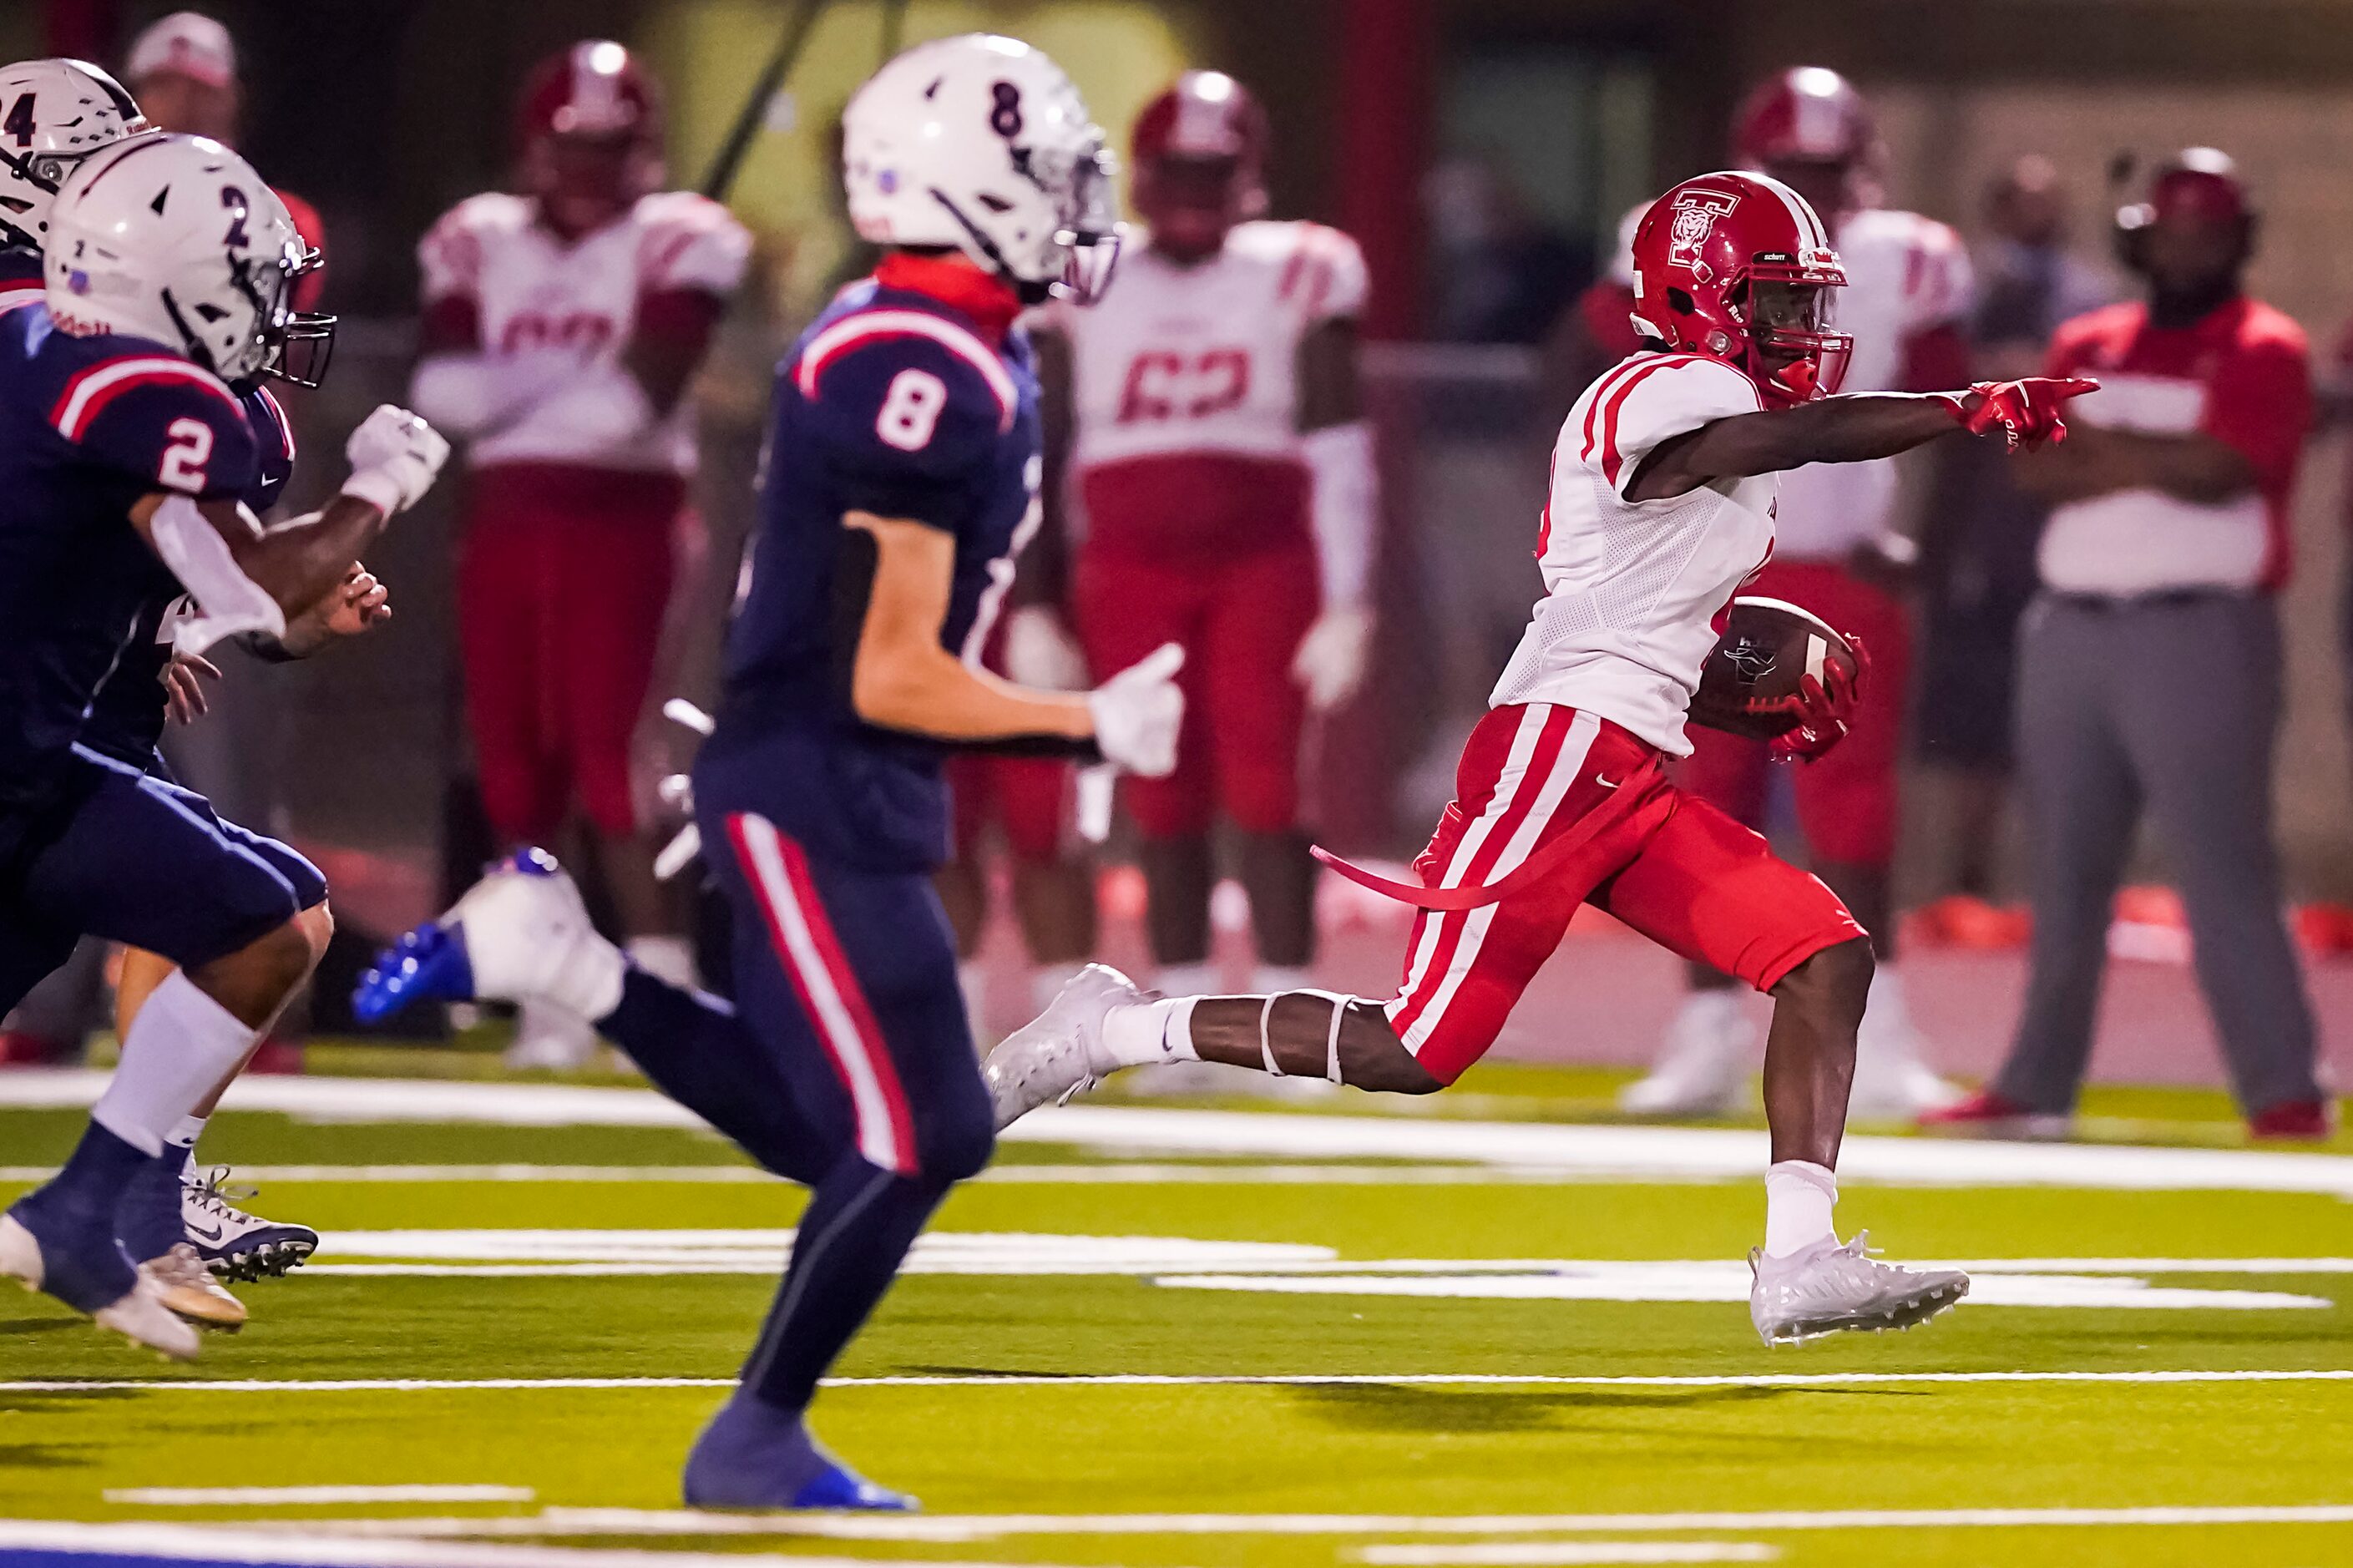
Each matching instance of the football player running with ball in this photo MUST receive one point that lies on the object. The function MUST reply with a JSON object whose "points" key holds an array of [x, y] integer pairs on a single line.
{"points": [[1661, 507], [902, 479]]}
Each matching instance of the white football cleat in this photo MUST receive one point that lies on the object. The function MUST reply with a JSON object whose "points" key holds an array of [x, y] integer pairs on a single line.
{"points": [[1703, 1065], [185, 1285], [139, 1315], [1060, 1053], [520, 934], [1829, 1289]]}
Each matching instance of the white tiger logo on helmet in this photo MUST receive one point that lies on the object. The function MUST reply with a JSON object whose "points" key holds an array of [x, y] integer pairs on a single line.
{"points": [[1695, 216]]}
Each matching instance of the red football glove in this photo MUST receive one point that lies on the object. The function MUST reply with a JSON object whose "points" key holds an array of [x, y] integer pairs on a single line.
{"points": [[1824, 707], [2027, 412]]}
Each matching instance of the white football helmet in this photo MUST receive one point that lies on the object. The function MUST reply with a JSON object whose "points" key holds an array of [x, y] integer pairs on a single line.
{"points": [[982, 143], [176, 238], [53, 114]]}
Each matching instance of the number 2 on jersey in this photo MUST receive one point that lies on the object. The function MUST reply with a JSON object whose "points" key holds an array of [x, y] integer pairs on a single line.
{"points": [[182, 467], [910, 410]]}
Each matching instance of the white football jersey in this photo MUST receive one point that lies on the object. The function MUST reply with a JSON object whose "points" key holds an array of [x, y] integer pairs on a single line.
{"points": [[1179, 360], [1632, 588], [1906, 274], [534, 294]]}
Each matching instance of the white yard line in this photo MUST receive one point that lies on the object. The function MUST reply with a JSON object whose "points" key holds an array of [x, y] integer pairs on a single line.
{"points": [[1640, 1154], [292, 1496], [1551, 1553], [1169, 1380], [1124, 1173], [205, 1544], [953, 1529]]}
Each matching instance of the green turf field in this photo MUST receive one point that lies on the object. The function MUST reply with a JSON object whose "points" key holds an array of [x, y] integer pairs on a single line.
{"points": [[1201, 1357]]}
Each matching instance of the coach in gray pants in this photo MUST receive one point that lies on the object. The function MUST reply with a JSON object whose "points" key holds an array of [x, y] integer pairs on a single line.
{"points": [[2149, 663]]}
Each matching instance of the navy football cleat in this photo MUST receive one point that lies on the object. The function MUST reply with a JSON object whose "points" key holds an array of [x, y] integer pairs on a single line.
{"points": [[80, 1263], [752, 1455], [233, 1244]]}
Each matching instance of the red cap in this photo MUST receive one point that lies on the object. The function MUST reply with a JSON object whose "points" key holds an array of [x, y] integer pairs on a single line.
{"points": [[2199, 182], [1808, 114]]}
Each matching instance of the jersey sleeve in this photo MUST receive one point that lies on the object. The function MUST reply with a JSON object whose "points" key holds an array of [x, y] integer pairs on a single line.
{"points": [[1651, 399], [163, 423], [1327, 275], [2260, 403], [693, 244], [1940, 286], [908, 425], [450, 258]]}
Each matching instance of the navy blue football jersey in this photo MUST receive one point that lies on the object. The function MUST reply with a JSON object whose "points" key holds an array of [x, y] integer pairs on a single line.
{"points": [[893, 403], [126, 717], [88, 427]]}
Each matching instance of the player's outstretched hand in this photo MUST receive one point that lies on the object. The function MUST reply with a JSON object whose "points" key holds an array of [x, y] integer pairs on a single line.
{"points": [[185, 699], [1138, 712], [2028, 412], [394, 456], [1332, 657], [1825, 709]]}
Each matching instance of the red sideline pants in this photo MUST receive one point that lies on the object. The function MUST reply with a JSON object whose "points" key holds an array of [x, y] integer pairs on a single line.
{"points": [[1240, 617], [564, 575]]}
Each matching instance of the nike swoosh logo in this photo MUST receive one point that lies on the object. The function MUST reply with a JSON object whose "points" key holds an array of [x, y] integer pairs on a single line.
{"points": [[212, 1236], [1600, 782]]}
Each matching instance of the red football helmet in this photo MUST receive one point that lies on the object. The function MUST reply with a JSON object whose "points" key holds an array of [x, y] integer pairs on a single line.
{"points": [[1199, 157], [2195, 182], [1810, 115], [1738, 268], [591, 134]]}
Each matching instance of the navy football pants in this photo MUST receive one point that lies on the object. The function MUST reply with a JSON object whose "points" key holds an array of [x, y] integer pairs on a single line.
{"points": [[142, 861], [847, 1064]]}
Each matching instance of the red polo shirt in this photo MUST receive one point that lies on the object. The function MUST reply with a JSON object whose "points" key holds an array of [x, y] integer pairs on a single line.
{"points": [[2240, 374]]}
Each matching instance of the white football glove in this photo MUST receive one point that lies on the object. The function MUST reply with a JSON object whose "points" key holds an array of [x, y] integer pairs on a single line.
{"points": [[1040, 651], [394, 456], [1332, 657], [1138, 712]]}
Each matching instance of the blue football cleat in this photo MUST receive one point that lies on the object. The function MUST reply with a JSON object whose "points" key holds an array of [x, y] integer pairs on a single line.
{"points": [[427, 963], [80, 1263], [530, 916], [752, 1455]]}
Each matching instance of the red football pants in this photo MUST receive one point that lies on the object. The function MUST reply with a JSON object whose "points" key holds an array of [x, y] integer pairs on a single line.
{"points": [[1027, 797], [1241, 619], [1846, 800], [1698, 883], [563, 578]]}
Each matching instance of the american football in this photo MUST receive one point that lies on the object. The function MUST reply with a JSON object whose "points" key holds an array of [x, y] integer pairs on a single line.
{"points": [[1749, 684]]}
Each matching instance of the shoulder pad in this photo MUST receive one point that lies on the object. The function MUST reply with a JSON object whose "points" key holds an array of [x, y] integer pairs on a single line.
{"points": [[881, 342]]}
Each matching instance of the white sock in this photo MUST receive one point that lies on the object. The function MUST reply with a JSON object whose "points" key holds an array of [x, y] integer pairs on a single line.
{"points": [[184, 1136], [1203, 978], [972, 979], [670, 958], [1046, 982], [1798, 1197], [1273, 979], [178, 1049], [1144, 1034]]}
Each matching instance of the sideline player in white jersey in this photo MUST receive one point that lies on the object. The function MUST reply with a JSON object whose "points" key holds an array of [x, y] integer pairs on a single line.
{"points": [[1836, 552], [562, 326], [1661, 506], [1222, 476]]}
